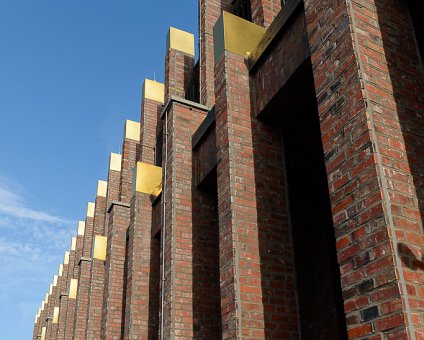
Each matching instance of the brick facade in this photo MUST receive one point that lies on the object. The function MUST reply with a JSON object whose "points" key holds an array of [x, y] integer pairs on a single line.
{"points": [[291, 200]]}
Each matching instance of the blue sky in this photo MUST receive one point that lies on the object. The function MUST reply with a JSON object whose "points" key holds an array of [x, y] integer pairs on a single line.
{"points": [[70, 74]]}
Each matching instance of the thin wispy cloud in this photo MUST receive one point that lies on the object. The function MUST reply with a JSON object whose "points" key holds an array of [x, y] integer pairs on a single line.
{"points": [[12, 204], [32, 243]]}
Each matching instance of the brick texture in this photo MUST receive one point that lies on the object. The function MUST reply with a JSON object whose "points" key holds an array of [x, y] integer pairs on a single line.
{"points": [[97, 273], [73, 270], [143, 247]]}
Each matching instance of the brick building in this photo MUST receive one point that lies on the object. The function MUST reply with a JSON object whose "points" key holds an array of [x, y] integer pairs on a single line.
{"points": [[272, 190]]}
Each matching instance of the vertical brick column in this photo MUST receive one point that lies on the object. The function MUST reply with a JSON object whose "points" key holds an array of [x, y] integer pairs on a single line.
{"points": [[63, 297], [179, 62], [54, 299], [182, 121], [150, 123], [36, 325], [264, 11], [130, 149], [142, 279], [242, 295], [61, 282], [114, 293], [97, 289], [49, 310], [113, 300], [177, 316], [72, 281], [209, 12], [84, 264], [95, 296], [368, 106], [42, 319]]}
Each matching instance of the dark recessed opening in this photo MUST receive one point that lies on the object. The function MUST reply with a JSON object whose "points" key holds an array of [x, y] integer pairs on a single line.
{"points": [[320, 301], [416, 9]]}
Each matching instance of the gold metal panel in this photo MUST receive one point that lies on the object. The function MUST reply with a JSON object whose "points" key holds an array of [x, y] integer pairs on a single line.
{"points": [[236, 35], [90, 209], [101, 188], [73, 243], [132, 130], [73, 287], [115, 162], [55, 315], [155, 193], [55, 277], [180, 40], [81, 228], [66, 257], [153, 90], [43, 333], [60, 272], [147, 177], [99, 247]]}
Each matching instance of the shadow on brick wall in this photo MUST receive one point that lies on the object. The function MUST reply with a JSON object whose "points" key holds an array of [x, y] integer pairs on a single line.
{"points": [[397, 21]]}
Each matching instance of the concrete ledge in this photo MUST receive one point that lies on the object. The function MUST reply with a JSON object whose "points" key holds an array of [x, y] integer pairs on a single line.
{"points": [[84, 259], [179, 100], [119, 203]]}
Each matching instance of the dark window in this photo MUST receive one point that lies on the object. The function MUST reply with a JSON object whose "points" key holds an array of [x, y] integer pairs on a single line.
{"points": [[416, 8], [158, 149], [192, 92], [242, 9]]}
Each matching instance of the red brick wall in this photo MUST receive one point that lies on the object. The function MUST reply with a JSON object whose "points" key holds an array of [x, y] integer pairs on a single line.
{"points": [[264, 11], [97, 275], [95, 296], [143, 254], [250, 235], [142, 312], [130, 151], [63, 281], [178, 71], [113, 300], [73, 274], [394, 88], [81, 308], [275, 69], [362, 138], [209, 12], [182, 121]]}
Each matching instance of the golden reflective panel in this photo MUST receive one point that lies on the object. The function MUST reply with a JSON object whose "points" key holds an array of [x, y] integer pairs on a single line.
{"points": [[43, 333], [73, 286], [55, 318], [115, 161], [180, 40], [81, 228], [66, 256], [146, 177], [132, 130], [236, 35], [153, 90], [99, 247], [90, 209], [101, 188]]}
